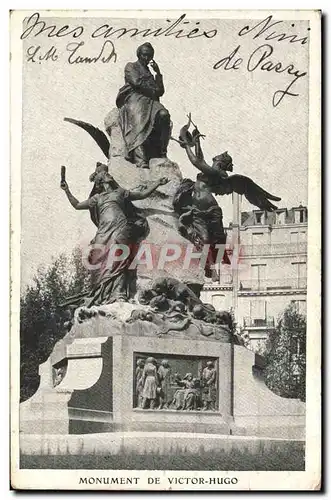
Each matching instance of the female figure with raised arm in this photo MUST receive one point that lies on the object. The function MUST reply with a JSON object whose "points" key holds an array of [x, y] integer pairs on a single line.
{"points": [[119, 222]]}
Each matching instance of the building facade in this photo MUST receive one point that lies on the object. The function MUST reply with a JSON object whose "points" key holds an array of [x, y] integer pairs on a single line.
{"points": [[268, 270]]}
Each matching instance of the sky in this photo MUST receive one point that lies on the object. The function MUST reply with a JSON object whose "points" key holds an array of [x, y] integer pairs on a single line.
{"points": [[232, 107]]}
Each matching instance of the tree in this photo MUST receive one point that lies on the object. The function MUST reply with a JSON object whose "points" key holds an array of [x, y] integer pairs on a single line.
{"points": [[285, 372], [42, 320]]}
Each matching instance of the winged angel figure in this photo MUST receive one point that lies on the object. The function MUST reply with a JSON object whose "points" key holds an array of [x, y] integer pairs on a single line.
{"points": [[200, 216]]}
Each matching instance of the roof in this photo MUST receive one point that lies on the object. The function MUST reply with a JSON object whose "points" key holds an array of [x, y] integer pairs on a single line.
{"points": [[249, 218]]}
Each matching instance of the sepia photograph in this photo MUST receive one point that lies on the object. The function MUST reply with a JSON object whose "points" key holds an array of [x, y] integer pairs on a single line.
{"points": [[165, 250]]}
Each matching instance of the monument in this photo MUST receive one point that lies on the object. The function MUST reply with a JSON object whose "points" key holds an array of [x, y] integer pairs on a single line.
{"points": [[144, 122], [143, 352]]}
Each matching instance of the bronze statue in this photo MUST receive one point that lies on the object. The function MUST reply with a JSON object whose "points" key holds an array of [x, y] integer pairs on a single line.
{"points": [[200, 216], [170, 290], [118, 222], [165, 323], [144, 122], [174, 306]]}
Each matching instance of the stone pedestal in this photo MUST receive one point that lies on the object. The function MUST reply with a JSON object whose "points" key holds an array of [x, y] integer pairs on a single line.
{"points": [[257, 410], [98, 394]]}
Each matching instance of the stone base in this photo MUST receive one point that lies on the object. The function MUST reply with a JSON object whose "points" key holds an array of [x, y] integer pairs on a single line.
{"points": [[256, 409], [98, 392], [148, 421]]}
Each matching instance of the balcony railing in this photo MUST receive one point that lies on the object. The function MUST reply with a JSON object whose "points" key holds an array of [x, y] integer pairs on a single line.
{"points": [[273, 249], [270, 284], [268, 322]]}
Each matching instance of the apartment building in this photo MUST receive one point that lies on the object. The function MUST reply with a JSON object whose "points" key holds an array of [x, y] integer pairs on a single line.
{"points": [[271, 270]]}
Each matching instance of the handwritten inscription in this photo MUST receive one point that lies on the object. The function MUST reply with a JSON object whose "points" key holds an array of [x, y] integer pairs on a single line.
{"points": [[262, 58], [36, 27], [37, 54], [262, 29], [107, 31], [105, 54]]}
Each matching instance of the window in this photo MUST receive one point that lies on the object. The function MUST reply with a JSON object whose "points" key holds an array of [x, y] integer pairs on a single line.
{"points": [[294, 236], [258, 310], [300, 306], [226, 278], [257, 237], [217, 301], [280, 217], [298, 237], [299, 216], [302, 237], [257, 242], [300, 274], [258, 217], [258, 275]]}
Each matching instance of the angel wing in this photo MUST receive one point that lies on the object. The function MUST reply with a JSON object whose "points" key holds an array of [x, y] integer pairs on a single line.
{"points": [[100, 137], [254, 193]]}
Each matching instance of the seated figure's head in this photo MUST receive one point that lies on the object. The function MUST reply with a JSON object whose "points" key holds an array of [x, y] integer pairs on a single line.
{"points": [[223, 162], [145, 53]]}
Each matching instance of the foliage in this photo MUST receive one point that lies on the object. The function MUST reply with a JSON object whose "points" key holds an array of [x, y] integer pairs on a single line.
{"points": [[42, 320], [262, 347], [285, 373]]}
